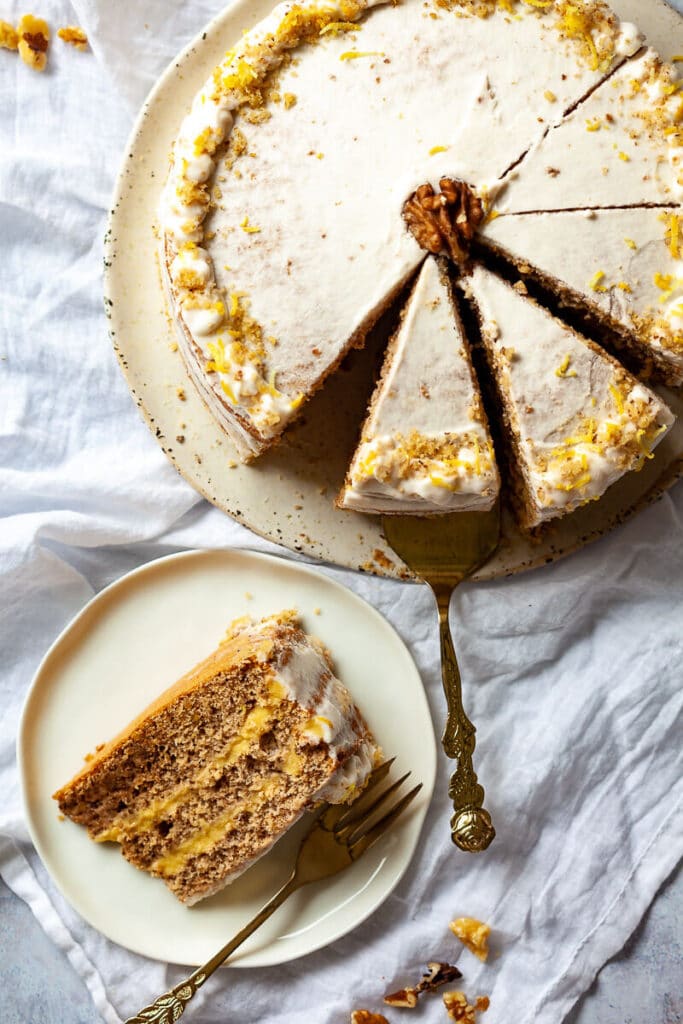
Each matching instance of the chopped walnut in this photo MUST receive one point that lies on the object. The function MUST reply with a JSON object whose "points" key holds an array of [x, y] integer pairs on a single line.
{"points": [[366, 1017], [444, 221], [9, 37], [74, 35], [34, 36], [473, 934], [437, 974], [460, 1009]]}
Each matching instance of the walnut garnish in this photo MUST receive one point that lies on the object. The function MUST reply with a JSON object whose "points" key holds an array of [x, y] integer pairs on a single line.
{"points": [[460, 1010], [9, 37], [437, 974], [366, 1017], [473, 934], [444, 221], [74, 35], [34, 36]]}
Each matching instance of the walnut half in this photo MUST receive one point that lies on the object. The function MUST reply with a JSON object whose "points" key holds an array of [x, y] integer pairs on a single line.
{"points": [[445, 221], [437, 974]]}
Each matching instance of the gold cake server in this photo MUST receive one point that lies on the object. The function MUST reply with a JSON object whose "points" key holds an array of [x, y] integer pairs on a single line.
{"points": [[443, 550]]}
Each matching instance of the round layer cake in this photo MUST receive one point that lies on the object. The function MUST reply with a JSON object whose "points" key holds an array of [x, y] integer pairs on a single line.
{"points": [[284, 217]]}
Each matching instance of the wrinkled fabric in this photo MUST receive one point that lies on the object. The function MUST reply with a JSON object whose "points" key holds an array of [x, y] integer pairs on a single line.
{"points": [[572, 672]]}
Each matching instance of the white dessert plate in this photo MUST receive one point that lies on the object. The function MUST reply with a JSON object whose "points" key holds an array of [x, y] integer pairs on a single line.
{"points": [[287, 494], [132, 641]]}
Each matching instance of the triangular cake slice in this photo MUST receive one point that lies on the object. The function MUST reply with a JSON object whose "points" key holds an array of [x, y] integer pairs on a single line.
{"points": [[624, 266], [425, 446], [622, 146], [575, 420]]}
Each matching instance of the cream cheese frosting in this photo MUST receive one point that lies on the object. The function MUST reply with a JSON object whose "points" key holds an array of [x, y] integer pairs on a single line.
{"points": [[282, 250], [626, 264], [577, 420], [622, 146], [305, 677], [425, 446]]}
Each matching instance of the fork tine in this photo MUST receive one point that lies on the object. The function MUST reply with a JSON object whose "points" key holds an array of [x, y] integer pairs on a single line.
{"points": [[360, 811], [368, 838], [333, 813]]}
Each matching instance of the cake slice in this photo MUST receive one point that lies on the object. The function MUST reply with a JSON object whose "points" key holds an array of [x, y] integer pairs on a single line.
{"points": [[576, 421], [620, 147], [216, 769], [425, 445], [624, 266]]}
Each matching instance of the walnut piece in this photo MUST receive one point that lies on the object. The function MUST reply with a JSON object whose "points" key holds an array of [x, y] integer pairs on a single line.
{"points": [[74, 35], [9, 37], [34, 36], [445, 221], [459, 1009], [473, 934], [437, 974], [366, 1017]]}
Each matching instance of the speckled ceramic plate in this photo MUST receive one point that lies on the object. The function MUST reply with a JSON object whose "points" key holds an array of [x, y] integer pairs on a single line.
{"points": [[131, 642], [287, 495]]}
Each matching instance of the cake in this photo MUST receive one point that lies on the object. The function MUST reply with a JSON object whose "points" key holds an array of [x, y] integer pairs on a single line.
{"points": [[623, 266], [339, 143], [281, 219], [219, 766], [425, 446], [575, 420]]}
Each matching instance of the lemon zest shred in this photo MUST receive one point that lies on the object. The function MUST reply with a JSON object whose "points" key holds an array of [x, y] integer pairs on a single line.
{"points": [[438, 149], [355, 54]]}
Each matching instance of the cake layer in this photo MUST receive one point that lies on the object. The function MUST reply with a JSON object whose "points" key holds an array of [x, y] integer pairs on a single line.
{"points": [[256, 733], [625, 265], [304, 242], [575, 420], [425, 446], [621, 147]]}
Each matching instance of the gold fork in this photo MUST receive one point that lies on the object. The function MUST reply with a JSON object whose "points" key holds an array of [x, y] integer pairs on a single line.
{"points": [[443, 551], [338, 836]]}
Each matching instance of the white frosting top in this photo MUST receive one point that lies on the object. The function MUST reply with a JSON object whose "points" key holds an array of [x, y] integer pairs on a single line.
{"points": [[621, 261], [305, 241], [622, 146], [579, 421], [305, 677], [425, 446]]}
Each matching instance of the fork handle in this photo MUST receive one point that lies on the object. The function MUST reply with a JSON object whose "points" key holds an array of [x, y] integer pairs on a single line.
{"points": [[471, 827], [169, 1008]]}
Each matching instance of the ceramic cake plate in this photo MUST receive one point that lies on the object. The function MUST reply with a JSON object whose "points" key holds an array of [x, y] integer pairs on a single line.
{"points": [[287, 494], [132, 641]]}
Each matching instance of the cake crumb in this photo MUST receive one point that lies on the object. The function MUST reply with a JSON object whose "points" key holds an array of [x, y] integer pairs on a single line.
{"points": [[173, 346], [61, 817], [9, 37], [74, 35], [232, 464], [289, 100], [473, 934], [459, 1009], [34, 38], [248, 595], [180, 392], [316, 611]]}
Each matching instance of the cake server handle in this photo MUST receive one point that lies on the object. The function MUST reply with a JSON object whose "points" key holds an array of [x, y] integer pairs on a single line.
{"points": [[169, 1008], [471, 826]]}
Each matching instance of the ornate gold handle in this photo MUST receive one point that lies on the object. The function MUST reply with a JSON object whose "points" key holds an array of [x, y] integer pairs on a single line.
{"points": [[170, 1007], [471, 827]]}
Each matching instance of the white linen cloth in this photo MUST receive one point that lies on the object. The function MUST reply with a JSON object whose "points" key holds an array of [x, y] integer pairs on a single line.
{"points": [[572, 672]]}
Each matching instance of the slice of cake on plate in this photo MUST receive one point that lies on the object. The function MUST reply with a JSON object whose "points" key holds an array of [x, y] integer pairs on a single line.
{"points": [[625, 266], [574, 419], [425, 445], [217, 768]]}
